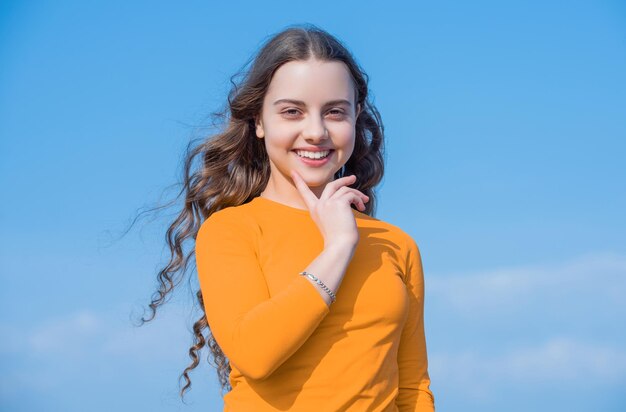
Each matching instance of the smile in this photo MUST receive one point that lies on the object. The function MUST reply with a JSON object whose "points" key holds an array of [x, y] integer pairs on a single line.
{"points": [[313, 155], [318, 160]]}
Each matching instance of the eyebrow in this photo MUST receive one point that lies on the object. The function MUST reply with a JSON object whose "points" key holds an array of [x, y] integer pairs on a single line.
{"points": [[301, 103]]}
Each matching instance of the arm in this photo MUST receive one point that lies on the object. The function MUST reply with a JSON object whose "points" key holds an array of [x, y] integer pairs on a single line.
{"points": [[414, 393], [255, 331]]}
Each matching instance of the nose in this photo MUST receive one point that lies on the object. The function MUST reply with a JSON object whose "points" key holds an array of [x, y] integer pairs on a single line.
{"points": [[314, 129]]}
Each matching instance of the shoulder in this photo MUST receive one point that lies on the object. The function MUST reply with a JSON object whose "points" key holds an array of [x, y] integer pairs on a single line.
{"points": [[394, 232], [229, 220], [407, 249], [408, 253]]}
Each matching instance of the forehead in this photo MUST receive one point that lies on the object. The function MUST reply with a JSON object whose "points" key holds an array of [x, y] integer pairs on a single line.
{"points": [[312, 81]]}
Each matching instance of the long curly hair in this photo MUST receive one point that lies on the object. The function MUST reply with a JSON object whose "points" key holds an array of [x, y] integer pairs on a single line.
{"points": [[233, 165]]}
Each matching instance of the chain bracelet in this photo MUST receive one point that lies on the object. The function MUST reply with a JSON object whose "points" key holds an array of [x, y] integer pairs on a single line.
{"points": [[322, 285]]}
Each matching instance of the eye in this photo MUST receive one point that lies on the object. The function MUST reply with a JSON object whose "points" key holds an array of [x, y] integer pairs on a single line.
{"points": [[337, 113], [291, 112]]}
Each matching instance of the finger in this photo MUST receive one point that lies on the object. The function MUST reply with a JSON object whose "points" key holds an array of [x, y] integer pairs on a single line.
{"points": [[340, 192], [307, 195], [353, 198], [333, 186], [362, 195], [344, 189], [361, 198]]}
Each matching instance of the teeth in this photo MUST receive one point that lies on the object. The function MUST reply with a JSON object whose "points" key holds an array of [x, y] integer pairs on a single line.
{"points": [[313, 155]]}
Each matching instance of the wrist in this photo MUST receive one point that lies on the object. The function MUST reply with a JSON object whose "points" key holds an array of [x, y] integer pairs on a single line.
{"points": [[345, 245]]}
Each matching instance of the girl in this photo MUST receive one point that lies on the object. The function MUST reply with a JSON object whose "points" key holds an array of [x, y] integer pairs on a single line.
{"points": [[310, 304]]}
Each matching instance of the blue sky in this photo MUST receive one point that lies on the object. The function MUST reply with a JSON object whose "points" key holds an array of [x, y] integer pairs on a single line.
{"points": [[505, 161]]}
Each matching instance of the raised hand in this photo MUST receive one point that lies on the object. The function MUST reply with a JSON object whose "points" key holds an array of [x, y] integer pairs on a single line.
{"points": [[332, 212]]}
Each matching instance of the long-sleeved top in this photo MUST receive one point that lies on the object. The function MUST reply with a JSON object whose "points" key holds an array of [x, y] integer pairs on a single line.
{"points": [[289, 350]]}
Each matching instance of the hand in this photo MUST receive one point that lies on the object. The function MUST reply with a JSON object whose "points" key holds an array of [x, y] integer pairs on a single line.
{"points": [[332, 212]]}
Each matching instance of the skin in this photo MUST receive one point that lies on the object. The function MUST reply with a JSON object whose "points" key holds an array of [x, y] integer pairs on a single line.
{"points": [[287, 126]]}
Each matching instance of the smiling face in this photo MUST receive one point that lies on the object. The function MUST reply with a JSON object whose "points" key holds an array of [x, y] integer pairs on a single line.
{"points": [[309, 105]]}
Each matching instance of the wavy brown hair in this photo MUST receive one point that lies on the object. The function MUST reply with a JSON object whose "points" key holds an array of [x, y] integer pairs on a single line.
{"points": [[233, 165]]}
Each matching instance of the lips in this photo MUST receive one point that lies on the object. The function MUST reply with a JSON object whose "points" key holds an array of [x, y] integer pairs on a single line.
{"points": [[314, 162], [311, 150], [330, 153]]}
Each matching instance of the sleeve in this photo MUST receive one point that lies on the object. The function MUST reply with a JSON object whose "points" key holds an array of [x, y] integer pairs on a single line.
{"points": [[414, 392], [256, 332]]}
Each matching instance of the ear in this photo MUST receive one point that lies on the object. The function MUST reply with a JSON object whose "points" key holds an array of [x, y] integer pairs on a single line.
{"points": [[358, 110], [260, 132]]}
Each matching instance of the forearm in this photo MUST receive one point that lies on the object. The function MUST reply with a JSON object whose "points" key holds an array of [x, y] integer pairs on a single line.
{"points": [[330, 267]]}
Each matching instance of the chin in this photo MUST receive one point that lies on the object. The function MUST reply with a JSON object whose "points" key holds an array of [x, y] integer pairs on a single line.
{"points": [[318, 182]]}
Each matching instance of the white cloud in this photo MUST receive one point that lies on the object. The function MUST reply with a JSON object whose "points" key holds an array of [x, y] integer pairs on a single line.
{"points": [[48, 355], [603, 274], [566, 359], [553, 324], [559, 361], [67, 334], [85, 339], [86, 331]]}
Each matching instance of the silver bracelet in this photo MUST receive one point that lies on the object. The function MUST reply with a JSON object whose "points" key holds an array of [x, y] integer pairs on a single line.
{"points": [[322, 285]]}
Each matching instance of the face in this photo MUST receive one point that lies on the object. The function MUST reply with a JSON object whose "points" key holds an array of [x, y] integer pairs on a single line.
{"points": [[308, 105]]}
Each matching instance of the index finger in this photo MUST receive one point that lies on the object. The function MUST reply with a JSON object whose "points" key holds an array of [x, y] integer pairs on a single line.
{"points": [[309, 197]]}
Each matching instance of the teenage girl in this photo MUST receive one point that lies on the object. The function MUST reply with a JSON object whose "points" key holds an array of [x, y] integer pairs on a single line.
{"points": [[310, 303]]}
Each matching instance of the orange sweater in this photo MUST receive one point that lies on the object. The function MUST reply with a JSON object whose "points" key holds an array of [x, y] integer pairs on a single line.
{"points": [[287, 349]]}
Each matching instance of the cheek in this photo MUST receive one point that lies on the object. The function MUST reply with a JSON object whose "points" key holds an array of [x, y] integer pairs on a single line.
{"points": [[278, 139], [280, 131], [344, 132]]}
